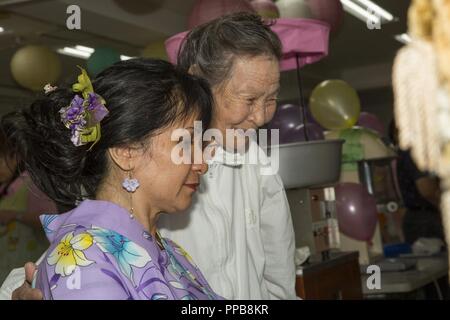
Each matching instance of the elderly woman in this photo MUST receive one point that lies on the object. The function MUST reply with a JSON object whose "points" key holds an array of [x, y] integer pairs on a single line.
{"points": [[108, 145], [240, 218]]}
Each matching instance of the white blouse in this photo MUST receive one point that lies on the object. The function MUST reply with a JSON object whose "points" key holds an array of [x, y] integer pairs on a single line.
{"points": [[239, 229]]}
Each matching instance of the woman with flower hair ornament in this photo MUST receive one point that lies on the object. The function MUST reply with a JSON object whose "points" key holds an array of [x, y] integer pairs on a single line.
{"points": [[106, 146]]}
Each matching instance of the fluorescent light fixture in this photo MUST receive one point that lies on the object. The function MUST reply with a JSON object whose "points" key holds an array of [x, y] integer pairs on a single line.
{"points": [[379, 11], [2, 29], [68, 51], [359, 12], [123, 57], [403, 38], [85, 49], [83, 52]]}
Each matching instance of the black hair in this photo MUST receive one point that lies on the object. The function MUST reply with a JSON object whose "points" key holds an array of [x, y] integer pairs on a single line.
{"points": [[143, 97], [6, 150], [213, 46], [392, 131]]}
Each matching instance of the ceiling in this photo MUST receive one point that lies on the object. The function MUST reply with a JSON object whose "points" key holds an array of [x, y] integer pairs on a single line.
{"points": [[361, 56]]}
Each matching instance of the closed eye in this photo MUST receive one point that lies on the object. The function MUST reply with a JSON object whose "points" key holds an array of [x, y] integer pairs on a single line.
{"points": [[251, 100]]}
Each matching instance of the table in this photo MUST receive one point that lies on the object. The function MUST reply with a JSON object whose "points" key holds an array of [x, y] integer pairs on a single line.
{"points": [[335, 278], [428, 270]]}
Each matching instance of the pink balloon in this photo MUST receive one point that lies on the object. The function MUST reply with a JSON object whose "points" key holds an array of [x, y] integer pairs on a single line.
{"points": [[371, 121], [356, 211], [330, 11], [207, 10]]}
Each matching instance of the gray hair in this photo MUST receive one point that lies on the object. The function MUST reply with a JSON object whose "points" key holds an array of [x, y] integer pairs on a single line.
{"points": [[211, 48]]}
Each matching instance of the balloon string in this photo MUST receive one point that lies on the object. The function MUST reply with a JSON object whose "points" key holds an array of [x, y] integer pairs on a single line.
{"points": [[301, 97]]}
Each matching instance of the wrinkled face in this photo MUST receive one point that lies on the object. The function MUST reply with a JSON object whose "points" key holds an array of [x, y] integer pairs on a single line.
{"points": [[247, 100], [168, 186], [8, 166]]}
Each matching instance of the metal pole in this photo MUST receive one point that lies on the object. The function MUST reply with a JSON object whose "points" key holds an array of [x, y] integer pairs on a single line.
{"points": [[301, 98]]}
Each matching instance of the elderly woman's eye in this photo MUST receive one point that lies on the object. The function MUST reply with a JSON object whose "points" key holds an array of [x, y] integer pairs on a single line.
{"points": [[251, 100], [271, 101]]}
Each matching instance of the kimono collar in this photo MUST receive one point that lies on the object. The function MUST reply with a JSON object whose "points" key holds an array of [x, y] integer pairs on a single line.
{"points": [[97, 213]]}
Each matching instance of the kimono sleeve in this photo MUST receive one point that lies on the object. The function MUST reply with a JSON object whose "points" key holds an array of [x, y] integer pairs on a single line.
{"points": [[75, 268]]}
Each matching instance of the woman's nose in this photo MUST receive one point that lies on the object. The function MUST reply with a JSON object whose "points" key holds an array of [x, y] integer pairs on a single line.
{"points": [[257, 116], [201, 168]]}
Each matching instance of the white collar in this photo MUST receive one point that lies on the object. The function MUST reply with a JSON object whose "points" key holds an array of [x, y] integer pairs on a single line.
{"points": [[233, 159]]}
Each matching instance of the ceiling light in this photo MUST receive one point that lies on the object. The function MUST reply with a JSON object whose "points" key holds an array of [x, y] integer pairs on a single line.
{"points": [[85, 49], [367, 11], [83, 52], [123, 57], [377, 10], [68, 51], [359, 12]]}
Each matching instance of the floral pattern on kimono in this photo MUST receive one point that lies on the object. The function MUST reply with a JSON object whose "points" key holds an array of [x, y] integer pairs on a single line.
{"points": [[98, 252]]}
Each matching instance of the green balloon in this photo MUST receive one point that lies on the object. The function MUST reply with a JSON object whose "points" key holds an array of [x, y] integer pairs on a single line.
{"points": [[101, 59], [335, 105]]}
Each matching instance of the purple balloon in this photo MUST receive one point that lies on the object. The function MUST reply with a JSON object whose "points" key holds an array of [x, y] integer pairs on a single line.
{"points": [[371, 121], [298, 133], [286, 117], [289, 120], [315, 132], [356, 211]]}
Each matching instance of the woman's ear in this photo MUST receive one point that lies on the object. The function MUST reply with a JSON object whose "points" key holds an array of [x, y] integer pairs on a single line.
{"points": [[123, 157]]}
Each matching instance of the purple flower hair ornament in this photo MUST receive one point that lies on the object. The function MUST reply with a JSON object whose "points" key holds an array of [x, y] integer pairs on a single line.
{"points": [[84, 113]]}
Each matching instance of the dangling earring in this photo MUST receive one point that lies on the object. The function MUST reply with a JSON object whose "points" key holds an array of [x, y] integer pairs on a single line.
{"points": [[130, 185]]}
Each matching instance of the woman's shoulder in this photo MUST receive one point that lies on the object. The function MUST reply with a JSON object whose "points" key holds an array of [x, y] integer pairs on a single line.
{"points": [[81, 246], [98, 257]]}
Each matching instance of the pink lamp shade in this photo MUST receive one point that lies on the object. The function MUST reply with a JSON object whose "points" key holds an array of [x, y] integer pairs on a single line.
{"points": [[306, 38], [173, 45], [207, 10]]}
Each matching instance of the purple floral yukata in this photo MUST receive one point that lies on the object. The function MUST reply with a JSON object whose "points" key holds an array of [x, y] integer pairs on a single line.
{"points": [[98, 252]]}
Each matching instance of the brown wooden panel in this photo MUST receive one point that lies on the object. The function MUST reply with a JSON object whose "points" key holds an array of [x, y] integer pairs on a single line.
{"points": [[337, 281]]}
